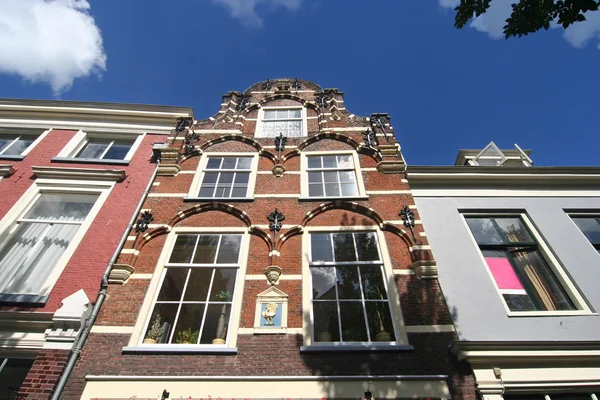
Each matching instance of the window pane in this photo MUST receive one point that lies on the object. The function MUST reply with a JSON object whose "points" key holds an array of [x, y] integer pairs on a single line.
{"points": [[172, 286], [230, 249], [223, 284], [198, 284], [19, 146], [348, 284], [315, 190], [229, 163], [372, 282], [345, 161], [366, 244], [6, 140], [161, 322], [545, 288], [244, 163], [210, 177], [63, 207], [347, 176], [242, 177], [206, 249], [320, 244], [295, 113], [332, 189], [330, 177], [223, 191], [206, 191], [118, 150], [323, 282], [329, 162], [182, 251], [187, 330], [344, 247], [239, 191], [349, 189], [226, 177], [353, 322], [326, 325], [483, 230], [380, 321], [93, 149], [13, 374], [314, 162], [514, 229], [590, 228], [214, 162], [502, 270], [212, 329], [270, 114], [518, 302], [315, 177]]}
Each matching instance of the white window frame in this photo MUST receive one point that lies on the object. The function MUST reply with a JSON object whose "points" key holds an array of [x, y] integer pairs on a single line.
{"points": [[261, 116], [362, 194], [548, 256], [590, 214], [201, 169], [392, 294], [66, 186], [81, 138], [136, 341], [30, 147]]}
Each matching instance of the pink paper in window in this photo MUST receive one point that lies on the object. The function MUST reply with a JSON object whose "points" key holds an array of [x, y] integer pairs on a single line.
{"points": [[503, 273]]}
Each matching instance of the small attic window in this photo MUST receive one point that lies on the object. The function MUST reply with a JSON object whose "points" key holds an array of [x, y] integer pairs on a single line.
{"points": [[490, 156]]}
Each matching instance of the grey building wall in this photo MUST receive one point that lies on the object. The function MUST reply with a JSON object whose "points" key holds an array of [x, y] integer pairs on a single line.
{"points": [[478, 311]]}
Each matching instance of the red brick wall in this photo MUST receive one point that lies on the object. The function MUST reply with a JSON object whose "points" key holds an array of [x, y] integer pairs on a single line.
{"points": [[44, 374]]}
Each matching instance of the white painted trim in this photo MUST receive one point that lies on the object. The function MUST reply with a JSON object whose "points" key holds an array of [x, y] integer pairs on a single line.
{"points": [[503, 193], [107, 175], [141, 276], [429, 328], [282, 195], [167, 194], [282, 277], [112, 329], [389, 191], [252, 331], [404, 272]]}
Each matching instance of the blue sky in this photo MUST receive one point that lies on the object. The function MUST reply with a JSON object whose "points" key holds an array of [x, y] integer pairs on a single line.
{"points": [[445, 89]]}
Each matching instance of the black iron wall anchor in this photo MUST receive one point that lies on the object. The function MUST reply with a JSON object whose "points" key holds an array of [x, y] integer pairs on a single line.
{"points": [[180, 126], [380, 122], [142, 223], [409, 219], [322, 99], [296, 84], [280, 142], [242, 102], [190, 139], [370, 138], [275, 225], [267, 85]]}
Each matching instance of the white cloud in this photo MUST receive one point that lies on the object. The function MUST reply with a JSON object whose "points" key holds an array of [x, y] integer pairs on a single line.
{"points": [[54, 42], [493, 21], [245, 10]]}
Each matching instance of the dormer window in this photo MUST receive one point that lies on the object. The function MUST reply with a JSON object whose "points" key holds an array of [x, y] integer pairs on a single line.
{"points": [[290, 121], [492, 156]]}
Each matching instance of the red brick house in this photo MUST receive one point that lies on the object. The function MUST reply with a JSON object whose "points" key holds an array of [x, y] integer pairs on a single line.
{"points": [[285, 259], [71, 177]]}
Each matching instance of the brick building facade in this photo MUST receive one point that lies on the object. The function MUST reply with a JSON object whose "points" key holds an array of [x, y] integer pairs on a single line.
{"points": [[277, 265], [71, 176]]}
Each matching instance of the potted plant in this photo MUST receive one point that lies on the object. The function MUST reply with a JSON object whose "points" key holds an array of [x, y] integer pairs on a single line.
{"points": [[187, 336], [221, 333], [155, 331]]}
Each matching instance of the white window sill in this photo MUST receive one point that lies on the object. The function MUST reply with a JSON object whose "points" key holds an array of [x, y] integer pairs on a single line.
{"points": [[349, 198], [355, 347], [180, 348], [551, 313], [88, 161], [23, 299], [221, 199], [11, 157]]}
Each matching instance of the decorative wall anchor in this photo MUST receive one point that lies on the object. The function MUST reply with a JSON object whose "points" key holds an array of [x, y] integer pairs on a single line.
{"points": [[190, 138], [280, 142], [142, 223], [380, 121], [266, 86], [370, 138], [242, 102], [296, 84], [322, 99], [275, 219], [180, 126], [409, 219]]}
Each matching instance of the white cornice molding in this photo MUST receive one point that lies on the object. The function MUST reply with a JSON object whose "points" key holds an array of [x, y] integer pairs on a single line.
{"points": [[113, 175], [6, 170], [466, 177], [477, 353], [26, 321]]}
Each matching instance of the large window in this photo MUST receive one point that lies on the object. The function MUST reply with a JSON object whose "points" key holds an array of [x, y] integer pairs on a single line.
{"points": [[13, 372], [227, 177], [14, 142], [194, 302], [590, 227], [287, 121], [521, 273], [331, 176], [105, 149], [32, 246], [349, 289]]}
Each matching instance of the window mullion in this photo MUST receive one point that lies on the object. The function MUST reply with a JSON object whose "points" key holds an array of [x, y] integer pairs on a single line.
{"points": [[110, 144], [195, 248], [217, 184], [206, 303], [364, 303]]}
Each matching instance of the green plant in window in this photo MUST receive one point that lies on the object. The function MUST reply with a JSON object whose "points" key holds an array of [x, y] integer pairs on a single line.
{"points": [[221, 332], [155, 332], [187, 336]]}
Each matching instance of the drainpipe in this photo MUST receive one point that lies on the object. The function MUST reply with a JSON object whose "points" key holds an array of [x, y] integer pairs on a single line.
{"points": [[101, 296]]}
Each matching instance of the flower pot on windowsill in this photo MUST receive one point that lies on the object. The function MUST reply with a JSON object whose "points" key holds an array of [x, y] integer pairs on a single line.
{"points": [[149, 341], [383, 337], [218, 341], [324, 337]]}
